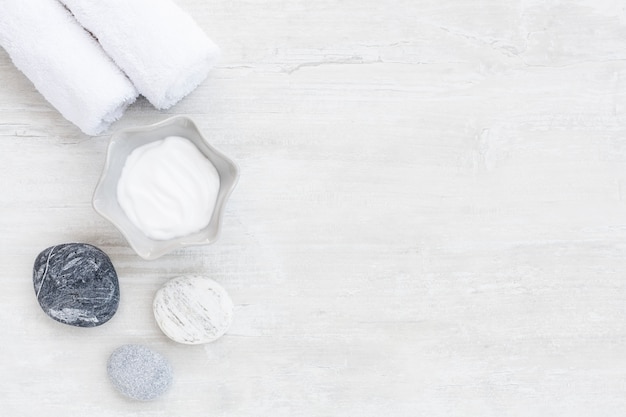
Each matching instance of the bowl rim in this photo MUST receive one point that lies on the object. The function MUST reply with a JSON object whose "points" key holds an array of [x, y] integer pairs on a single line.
{"points": [[163, 247]]}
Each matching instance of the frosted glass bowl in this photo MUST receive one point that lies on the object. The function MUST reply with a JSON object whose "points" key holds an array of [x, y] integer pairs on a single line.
{"points": [[122, 143]]}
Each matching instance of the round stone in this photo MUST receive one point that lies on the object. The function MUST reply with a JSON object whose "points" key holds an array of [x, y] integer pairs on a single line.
{"points": [[76, 284], [193, 309], [139, 372]]}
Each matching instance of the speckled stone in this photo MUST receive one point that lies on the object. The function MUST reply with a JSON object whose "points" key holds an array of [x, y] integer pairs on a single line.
{"points": [[139, 372], [193, 309], [76, 284]]}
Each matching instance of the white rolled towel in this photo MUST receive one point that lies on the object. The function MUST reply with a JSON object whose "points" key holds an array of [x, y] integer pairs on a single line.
{"points": [[65, 63], [158, 45]]}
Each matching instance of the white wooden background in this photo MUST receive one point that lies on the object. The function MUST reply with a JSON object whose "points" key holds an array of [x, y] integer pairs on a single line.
{"points": [[430, 220]]}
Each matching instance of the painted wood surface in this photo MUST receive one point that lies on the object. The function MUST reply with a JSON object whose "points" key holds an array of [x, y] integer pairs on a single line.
{"points": [[430, 220]]}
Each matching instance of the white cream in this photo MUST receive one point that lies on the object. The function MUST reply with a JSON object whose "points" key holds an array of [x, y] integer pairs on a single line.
{"points": [[168, 188]]}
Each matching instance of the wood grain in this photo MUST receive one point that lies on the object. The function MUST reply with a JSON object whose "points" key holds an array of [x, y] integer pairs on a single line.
{"points": [[430, 218]]}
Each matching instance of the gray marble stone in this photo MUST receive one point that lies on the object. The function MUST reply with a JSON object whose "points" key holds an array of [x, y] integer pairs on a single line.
{"points": [[76, 284], [139, 372]]}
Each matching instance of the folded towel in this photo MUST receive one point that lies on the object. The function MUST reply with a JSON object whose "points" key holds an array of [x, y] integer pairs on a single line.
{"points": [[65, 63], [159, 46]]}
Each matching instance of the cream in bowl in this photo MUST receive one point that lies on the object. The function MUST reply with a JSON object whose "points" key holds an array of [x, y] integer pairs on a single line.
{"points": [[168, 188], [164, 187]]}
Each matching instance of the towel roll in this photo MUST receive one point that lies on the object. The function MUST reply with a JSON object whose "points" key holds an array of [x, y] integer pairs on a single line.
{"points": [[65, 63], [159, 46]]}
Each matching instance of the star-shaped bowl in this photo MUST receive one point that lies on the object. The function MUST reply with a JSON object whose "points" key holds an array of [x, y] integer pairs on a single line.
{"points": [[121, 145]]}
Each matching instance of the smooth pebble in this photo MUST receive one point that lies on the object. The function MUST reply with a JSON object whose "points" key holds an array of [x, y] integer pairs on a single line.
{"points": [[139, 372], [76, 284], [193, 309]]}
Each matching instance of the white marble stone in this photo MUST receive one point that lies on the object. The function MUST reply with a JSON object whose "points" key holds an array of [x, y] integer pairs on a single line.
{"points": [[193, 310]]}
